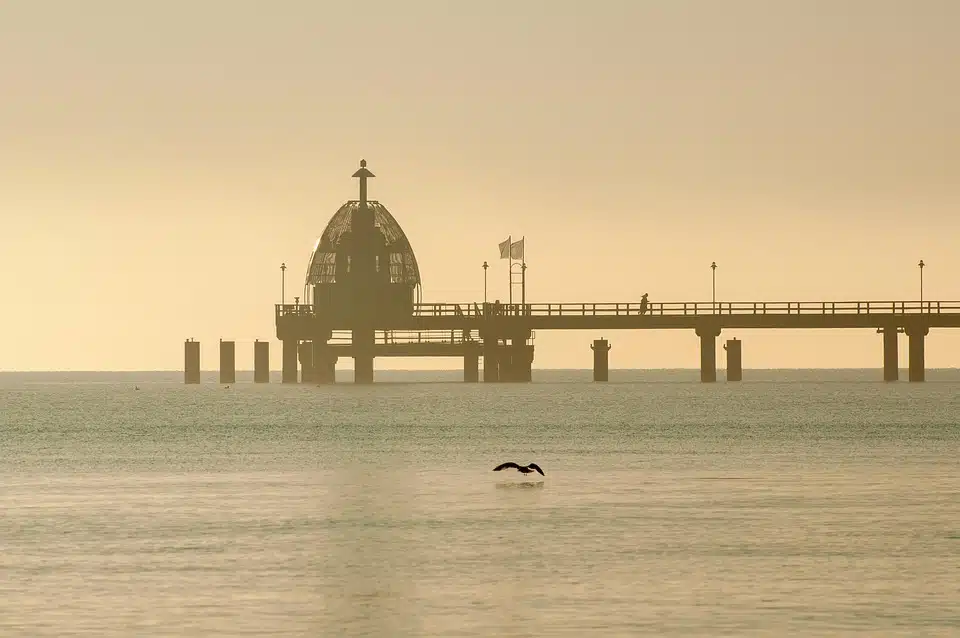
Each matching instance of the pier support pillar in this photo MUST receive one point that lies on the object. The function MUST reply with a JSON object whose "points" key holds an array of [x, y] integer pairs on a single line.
{"points": [[491, 360], [471, 363], [891, 357], [261, 361], [916, 335], [363, 369], [521, 361], [228, 362], [734, 359], [514, 361], [191, 362], [324, 363], [363, 341], [305, 355], [601, 359], [327, 370], [289, 370], [708, 334], [528, 363], [505, 362]]}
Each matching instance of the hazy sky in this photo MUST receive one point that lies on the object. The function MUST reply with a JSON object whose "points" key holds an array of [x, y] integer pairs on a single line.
{"points": [[159, 160]]}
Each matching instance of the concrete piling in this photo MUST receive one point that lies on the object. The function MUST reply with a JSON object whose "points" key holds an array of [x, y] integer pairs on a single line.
{"points": [[601, 359], [521, 361], [289, 372], [261, 361], [471, 362], [891, 356], [491, 360], [708, 334], [228, 362], [324, 363], [916, 334], [191, 362], [363, 347], [734, 359], [305, 356]]}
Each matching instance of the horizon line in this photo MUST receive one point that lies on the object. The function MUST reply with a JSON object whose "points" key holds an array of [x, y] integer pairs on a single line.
{"points": [[278, 371]]}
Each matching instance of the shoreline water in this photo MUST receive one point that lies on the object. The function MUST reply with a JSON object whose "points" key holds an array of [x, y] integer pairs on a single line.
{"points": [[351, 510], [554, 375]]}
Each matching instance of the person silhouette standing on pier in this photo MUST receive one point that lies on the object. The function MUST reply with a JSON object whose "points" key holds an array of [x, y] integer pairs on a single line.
{"points": [[644, 303]]}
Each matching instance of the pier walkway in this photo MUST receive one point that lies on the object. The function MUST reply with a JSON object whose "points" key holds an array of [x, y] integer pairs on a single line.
{"points": [[662, 315], [502, 333]]}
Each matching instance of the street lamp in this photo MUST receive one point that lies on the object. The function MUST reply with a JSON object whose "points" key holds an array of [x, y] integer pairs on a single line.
{"points": [[713, 267], [921, 265], [485, 266], [283, 283], [523, 286]]}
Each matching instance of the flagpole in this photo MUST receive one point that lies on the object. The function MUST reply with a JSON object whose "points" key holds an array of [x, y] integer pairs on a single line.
{"points": [[510, 273], [523, 276], [510, 268]]}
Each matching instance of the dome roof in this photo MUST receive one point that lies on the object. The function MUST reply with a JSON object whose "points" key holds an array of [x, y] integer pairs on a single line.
{"points": [[321, 269]]}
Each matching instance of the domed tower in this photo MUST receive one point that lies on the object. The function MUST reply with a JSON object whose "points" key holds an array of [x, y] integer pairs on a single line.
{"points": [[362, 267]]}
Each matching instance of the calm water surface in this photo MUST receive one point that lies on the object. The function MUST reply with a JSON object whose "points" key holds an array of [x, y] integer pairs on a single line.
{"points": [[781, 506]]}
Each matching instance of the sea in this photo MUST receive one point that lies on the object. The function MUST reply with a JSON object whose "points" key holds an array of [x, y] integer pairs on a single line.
{"points": [[794, 503]]}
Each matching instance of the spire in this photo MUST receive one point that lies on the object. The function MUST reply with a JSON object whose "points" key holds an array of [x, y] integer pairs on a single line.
{"points": [[363, 174]]}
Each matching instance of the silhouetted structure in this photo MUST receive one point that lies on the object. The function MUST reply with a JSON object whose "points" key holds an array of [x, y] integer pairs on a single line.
{"points": [[261, 361], [734, 359], [362, 300], [708, 332], [228, 362], [471, 362], [191, 361], [363, 274], [916, 333], [601, 359]]}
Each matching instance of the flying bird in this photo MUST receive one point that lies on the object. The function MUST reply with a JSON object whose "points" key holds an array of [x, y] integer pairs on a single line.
{"points": [[524, 469]]}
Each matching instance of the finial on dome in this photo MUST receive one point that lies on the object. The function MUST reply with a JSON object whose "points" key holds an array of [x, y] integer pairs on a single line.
{"points": [[363, 174]]}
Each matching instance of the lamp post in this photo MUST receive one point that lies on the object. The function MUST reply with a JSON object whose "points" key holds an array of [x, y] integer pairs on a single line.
{"points": [[283, 283], [523, 287], [713, 267], [485, 266], [921, 265]]}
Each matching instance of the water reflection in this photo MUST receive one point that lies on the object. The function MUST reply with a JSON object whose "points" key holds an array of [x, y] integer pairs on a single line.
{"points": [[520, 485], [369, 554], [185, 515]]}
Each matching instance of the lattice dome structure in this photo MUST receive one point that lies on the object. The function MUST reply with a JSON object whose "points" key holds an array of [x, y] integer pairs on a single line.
{"points": [[330, 260]]}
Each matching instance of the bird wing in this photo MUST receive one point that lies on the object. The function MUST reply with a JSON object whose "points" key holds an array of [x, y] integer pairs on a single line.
{"points": [[507, 465], [534, 466]]}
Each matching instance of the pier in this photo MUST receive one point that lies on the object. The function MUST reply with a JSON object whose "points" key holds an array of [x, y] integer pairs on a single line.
{"points": [[364, 302]]}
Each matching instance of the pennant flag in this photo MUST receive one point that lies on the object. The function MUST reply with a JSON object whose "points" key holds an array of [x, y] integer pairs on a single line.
{"points": [[516, 249], [505, 249]]}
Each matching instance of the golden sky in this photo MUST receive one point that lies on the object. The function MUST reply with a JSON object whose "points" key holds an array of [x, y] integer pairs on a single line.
{"points": [[158, 161]]}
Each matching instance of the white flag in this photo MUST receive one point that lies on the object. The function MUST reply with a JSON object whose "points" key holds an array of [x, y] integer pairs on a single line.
{"points": [[516, 250], [505, 249]]}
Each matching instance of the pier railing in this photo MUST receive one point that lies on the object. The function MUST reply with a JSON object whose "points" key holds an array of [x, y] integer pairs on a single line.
{"points": [[406, 337], [696, 308], [295, 310], [689, 308]]}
